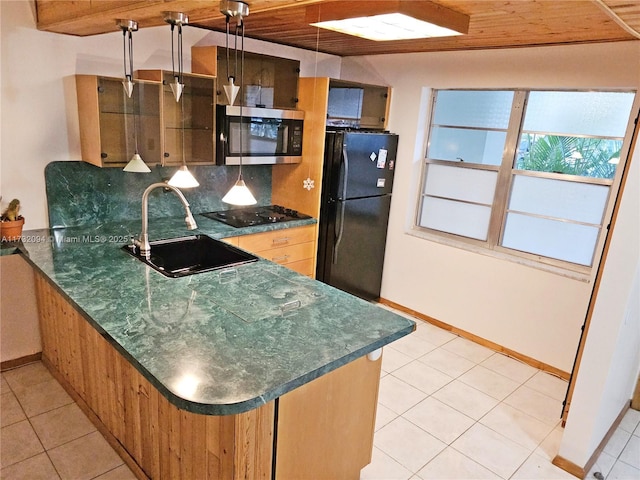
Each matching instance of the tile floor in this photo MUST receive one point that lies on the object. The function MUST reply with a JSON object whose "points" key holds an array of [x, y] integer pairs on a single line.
{"points": [[45, 435], [448, 409], [452, 409]]}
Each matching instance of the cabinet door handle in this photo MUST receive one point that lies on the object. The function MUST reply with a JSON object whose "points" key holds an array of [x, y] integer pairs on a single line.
{"points": [[280, 241], [280, 259]]}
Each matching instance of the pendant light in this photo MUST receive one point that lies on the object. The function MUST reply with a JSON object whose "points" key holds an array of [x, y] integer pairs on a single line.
{"points": [[183, 177], [136, 164], [239, 193]]}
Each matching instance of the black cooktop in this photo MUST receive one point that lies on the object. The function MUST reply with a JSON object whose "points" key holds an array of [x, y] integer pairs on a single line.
{"points": [[255, 215]]}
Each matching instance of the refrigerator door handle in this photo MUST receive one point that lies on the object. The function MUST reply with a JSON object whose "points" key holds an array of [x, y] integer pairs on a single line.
{"points": [[345, 177], [336, 244], [342, 206]]}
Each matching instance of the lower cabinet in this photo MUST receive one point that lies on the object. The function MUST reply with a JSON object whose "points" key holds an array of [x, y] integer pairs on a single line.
{"points": [[321, 430], [294, 248]]}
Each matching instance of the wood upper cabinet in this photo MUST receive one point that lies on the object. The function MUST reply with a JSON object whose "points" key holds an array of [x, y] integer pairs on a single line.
{"points": [[269, 82], [188, 125], [112, 124], [357, 105]]}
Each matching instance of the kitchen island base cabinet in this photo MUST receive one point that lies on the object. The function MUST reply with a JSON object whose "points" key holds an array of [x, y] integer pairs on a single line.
{"points": [[323, 429]]}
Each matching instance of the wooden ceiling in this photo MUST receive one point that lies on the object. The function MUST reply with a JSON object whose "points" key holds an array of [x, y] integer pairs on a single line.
{"points": [[492, 23]]}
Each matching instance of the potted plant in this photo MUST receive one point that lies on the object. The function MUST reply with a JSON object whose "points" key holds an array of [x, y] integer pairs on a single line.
{"points": [[11, 222]]}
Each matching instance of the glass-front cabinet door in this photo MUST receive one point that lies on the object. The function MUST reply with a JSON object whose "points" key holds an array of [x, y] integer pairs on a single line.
{"points": [[113, 126], [188, 124]]}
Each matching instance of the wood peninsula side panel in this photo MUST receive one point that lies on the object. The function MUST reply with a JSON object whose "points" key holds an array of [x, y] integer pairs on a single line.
{"points": [[325, 427], [162, 441]]}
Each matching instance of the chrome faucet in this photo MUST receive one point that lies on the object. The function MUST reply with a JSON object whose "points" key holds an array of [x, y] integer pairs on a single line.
{"points": [[143, 241]]}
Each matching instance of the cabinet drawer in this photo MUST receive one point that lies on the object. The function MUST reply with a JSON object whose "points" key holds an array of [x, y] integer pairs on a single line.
{"points": [[259, 242], [231, 241], [289, 254], [303, 267]]}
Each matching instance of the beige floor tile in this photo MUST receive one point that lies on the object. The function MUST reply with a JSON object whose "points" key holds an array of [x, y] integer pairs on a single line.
{"points": [[393, 359], [383, 467], [4, 386], [41, 397], [631, 452], [438, 419], [491, 450], [617, 442], [489, 382], [27, 375], [434, 335], [397, 395], [452, 465], [10, 409], [422, 377], [539, 468], [408, 444], [550, 446], [413, 346], [548, 384], [536, 404], [120, 473], [447, 362], [18, 442], [623, 471], [517, 426], [84, 458], [509, 367], [383, 416], [468, 349], [38, 467], [61, 425], [630, 421], [466, 399], [603, 464]]}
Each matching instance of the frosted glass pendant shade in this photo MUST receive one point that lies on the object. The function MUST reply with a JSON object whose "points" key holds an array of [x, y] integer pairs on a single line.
{"points": [[136, 165], [239, 194], [231, 90], [183, 179]]}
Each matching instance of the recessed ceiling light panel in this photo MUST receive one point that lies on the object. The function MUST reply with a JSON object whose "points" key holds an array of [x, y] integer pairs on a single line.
{"points": [[387, 27]]}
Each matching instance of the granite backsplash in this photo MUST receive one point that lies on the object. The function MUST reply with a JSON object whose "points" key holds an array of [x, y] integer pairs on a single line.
{"points": [[81, 194]]}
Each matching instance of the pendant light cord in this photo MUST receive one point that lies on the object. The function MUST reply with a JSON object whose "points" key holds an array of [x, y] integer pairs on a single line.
{"points": [[241, 27], [129, 44], [180, 57], [129, 76], [173, 56]]}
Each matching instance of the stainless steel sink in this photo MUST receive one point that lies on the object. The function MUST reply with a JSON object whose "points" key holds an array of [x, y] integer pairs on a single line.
{"points": [[179, 257]]}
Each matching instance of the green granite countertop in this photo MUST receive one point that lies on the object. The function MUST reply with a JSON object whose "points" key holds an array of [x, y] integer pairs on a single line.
{"points": [[218, 343]]}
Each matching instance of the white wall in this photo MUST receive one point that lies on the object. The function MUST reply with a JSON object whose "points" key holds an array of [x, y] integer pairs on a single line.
{"points": [[39, 119], [531, 311], [19, 329], [611, 359]]}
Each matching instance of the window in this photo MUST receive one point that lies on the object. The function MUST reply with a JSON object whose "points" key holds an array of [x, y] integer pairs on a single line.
{"points": [[527, 173]]}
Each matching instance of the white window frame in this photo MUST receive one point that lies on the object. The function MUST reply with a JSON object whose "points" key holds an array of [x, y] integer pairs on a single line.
{"points": [[506, 172]]}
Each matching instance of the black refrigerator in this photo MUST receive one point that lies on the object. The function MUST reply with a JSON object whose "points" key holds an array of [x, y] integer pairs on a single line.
{"points": [[356, 196]]}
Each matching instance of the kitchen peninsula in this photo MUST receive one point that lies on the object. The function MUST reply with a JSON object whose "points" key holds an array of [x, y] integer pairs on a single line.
{"points": [[249, 372]]}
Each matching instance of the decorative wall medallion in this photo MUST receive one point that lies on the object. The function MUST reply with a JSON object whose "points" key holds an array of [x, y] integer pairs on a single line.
{"points": [[308, 183]]}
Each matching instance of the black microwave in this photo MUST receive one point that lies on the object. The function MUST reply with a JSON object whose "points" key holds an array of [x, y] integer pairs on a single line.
{"points": [[261, 135]]}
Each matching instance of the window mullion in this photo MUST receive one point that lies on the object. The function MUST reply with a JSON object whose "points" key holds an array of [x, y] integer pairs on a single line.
{"points": [[503, 185]]}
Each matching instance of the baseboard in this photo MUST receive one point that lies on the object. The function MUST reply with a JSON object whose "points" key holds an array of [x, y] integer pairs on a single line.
{"points": [[481, 341], [18, 362], [561, 462], [569, 466]]}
